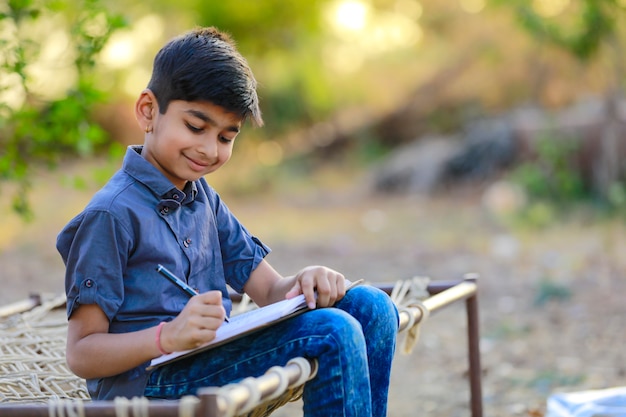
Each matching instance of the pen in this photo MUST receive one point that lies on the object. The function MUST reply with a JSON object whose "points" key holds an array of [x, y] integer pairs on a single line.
{"points": [[179, 282]]}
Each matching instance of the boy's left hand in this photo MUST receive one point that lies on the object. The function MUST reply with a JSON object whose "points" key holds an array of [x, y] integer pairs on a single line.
{"points": [[329, 285]]}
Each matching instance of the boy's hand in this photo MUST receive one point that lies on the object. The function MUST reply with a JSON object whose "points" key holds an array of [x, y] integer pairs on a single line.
{"points": [[196, 324], [329, 284]]}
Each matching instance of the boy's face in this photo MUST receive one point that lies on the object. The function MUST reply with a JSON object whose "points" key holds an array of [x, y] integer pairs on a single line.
{"points": [[190, 140]]}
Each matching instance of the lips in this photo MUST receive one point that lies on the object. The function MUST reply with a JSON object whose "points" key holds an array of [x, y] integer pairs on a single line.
{"points": [[198, 164]]}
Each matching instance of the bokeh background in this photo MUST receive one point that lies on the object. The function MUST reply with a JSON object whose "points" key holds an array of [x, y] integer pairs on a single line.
{"points": [[402, 138]]}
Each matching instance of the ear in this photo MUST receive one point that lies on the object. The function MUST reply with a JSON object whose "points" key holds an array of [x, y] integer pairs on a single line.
{"points": [[145, 110]]}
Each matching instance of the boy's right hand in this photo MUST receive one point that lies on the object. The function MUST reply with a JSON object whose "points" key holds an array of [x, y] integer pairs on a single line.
{"points": [[196, 324]]}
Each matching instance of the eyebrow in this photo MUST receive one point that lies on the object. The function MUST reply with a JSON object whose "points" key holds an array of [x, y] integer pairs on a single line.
{"points": [[205, 118]]}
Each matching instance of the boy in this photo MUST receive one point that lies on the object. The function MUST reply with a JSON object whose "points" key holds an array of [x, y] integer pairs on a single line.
{"points": [[159, 209]]}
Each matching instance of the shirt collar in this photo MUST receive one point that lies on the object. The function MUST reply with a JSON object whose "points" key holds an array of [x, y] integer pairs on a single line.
{"points": [[143, 171]]}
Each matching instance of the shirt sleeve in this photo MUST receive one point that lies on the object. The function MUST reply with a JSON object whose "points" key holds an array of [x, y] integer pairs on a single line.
{"points": [[241, 252], [94, 248]]}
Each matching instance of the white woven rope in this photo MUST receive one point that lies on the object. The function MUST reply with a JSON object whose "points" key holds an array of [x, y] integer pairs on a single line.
{"points": [[135, 407], [414, 328], [33, 364], [254, 396], [305, 371], [408, 296], [187, 406], [59, 407], [283, 381]]}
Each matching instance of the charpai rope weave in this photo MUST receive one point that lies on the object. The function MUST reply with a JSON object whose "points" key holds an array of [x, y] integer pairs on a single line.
{"points": [[33, 367], [32, 356]]}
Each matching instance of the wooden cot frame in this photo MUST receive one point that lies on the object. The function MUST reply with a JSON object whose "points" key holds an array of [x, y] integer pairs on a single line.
{"points": [[241, 398]]}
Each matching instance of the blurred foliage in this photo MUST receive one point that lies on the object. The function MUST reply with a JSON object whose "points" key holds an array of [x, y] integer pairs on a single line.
{"points": [[553, 182], [41, 131], [310, 70], [582, 30], [554, 174], [289, 41], [549, 290], [587, 25]]}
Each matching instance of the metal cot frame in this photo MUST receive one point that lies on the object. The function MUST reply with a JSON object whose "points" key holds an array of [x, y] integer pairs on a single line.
{"points": [[216, 402]]}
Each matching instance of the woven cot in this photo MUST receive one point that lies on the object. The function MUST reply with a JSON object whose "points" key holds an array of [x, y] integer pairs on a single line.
{"points": [[35, 381], [32, 356]]}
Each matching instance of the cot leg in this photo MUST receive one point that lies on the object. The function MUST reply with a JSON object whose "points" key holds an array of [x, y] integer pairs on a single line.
{"points": [[473, 333]]}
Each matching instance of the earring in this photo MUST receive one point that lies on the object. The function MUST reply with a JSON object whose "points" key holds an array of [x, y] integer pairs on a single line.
{"points": [[148, 129]]}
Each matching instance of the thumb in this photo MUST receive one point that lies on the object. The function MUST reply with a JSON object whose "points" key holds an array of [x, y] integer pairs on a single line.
{"points": [[294, 291]]}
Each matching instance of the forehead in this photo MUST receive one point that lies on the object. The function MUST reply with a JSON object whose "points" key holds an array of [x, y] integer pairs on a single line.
{"points": [[207, 112]]}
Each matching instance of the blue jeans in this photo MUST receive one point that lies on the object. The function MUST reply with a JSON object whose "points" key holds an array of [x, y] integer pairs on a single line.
{"points": [[354, 343]]}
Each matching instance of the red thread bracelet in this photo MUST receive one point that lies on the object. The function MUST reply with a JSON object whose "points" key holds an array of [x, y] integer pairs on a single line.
{"points": [[157, 338]]}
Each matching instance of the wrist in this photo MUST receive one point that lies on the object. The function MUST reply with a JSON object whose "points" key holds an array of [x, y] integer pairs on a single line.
{"points": [[157, 339]]}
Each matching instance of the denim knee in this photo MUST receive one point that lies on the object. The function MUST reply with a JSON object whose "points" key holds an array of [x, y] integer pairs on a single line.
{"points": [[342, 385], [371, 306], [338, 326]]}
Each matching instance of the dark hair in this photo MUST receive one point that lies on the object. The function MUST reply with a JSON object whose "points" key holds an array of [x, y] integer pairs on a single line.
{"points": [[204, 65]]}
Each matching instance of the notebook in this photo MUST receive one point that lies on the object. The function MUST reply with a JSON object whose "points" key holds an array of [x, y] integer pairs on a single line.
{"points": [[245, 323]]}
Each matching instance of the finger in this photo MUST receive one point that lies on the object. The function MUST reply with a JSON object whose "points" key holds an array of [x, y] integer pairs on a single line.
{"points": [[207, 318], [325, 292], [213, 312], [294, 291], [211, 297], [196, 312], [199, 337], [340, 283], [307, 285], [341, 287]]}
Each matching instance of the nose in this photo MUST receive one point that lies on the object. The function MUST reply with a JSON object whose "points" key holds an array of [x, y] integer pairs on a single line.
{"points": [[209, 148]]}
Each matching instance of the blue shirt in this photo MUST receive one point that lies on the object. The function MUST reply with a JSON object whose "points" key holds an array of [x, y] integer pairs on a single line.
{"points": [[135, 222]]}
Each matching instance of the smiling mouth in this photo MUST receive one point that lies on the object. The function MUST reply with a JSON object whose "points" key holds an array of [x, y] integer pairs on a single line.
{"points": [[198, 165]]}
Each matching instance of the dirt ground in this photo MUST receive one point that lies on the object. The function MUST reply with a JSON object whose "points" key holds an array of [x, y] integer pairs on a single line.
{"points": [[552, 308]]}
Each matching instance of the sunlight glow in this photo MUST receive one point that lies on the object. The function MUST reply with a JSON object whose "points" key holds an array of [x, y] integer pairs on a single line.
{"points": [[126, 47], [472, 6], [136, 79], [342, 58], [97, 26], [392, 31], [550, 8], [12, 93], [362, 33], [49, 73], [350, 15], [53, 73], [119, 52], [410, 8]]}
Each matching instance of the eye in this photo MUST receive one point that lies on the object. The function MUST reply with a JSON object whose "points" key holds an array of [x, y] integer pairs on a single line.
{"points": [[193, 128], [224, 139]]}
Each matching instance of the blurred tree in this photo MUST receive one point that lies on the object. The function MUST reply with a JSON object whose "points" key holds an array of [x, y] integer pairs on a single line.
{"points": [[282, 40], [377, 72], [581, 32], [582, 28], [288, 43], [47, 91]]}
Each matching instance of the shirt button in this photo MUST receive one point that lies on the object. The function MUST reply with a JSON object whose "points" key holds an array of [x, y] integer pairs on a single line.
{"points": [[165, 210], [187, 242], [89, 283], [176, 196]]}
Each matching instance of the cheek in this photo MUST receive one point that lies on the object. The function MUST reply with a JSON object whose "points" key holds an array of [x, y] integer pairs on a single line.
{"points": [[225, 154]]}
